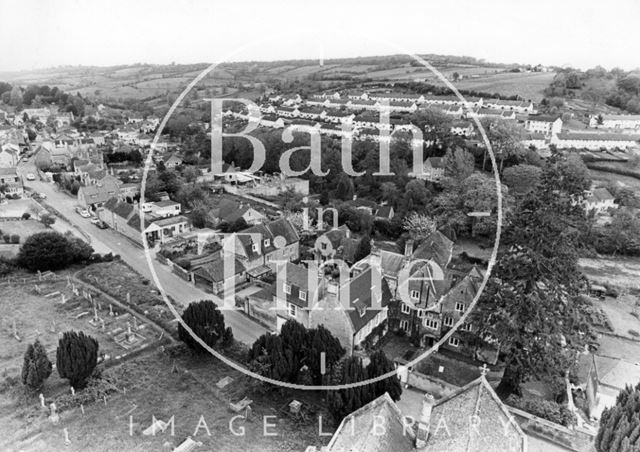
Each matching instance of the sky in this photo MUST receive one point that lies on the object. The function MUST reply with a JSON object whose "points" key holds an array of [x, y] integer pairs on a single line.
{"points": [[44, 33]]}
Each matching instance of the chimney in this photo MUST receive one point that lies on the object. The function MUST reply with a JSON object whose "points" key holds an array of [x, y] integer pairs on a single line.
{"points": [[347, 232], [422, 434], [408, 248]]}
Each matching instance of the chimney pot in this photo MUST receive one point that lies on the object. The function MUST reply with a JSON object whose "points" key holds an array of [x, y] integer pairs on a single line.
{"points": [[422, 435], [408, 248]]}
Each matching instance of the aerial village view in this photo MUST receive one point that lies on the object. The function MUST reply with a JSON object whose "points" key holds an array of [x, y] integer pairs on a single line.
{"points": [[324, 244]]}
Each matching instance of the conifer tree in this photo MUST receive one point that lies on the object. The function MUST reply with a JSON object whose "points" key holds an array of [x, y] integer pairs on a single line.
{"points": [[37, 367], [76, 358], [620, 425], [206, 321]]}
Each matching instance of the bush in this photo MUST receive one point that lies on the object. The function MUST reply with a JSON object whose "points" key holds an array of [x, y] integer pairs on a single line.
{"points": [[206, 321], [6, 238], [76, 358], [36, 367], [26, 216], [15, 238], [545, 409], [52, 251]]}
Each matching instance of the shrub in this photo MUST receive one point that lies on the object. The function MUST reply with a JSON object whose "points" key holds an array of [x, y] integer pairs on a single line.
{"points": [[76, 358], [545, 409], [52, 251], [15, 238], [36, 367], [26, 216], [206, 321], [6, 238]]}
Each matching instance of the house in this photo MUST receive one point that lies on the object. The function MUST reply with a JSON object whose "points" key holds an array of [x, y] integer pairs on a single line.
{"points": [[162, 209], [594, 141], [12, 182], [544, 124], [462, 128], [605, 379], [94, 196], [471, 419], [213, 276], [229, 211], [328, 244], [353, 310], [598, 200], [629, 122], [171, 160], [433, 169], [165, 229], [294, 293], [537, 140], [263, 244], [129, 190], [384, 213], [519, 106]]}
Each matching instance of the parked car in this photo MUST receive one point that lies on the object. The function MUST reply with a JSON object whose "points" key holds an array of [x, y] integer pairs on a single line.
{"points": [[101, 224], [42, 196], [95, 220], [31, 176], [84, 213]]}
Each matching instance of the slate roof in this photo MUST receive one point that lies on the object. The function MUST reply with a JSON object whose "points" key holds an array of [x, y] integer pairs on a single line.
{"points": [[214, 271], [600, 194], [361, 294], [436, 247]]}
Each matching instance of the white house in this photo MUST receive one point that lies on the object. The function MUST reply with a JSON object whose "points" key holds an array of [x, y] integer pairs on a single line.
{"points": [[594, 141], [545, 124], [631, 122]]}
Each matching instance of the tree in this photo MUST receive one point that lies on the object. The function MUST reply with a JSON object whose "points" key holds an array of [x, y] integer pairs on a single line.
{"points": [[36, 367], [505, 138], [390, 193], [52, 251], [206, 321], [363, 249], [345, 189], [531, 305], [620, 425], [76, 358], [458, 163], [345, 401], [378, 365], [455, 76], [419, 226], [521, 178], [47, 219], [322, 341]]}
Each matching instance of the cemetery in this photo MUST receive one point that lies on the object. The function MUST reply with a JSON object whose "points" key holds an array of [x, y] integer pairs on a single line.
{"points": [[44, 309]]}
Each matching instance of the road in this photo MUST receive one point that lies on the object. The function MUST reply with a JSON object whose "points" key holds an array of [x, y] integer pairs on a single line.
{"points": [[107, 240]]}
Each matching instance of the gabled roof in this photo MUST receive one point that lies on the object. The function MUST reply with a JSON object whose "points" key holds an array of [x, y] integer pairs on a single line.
{"points": [[496, 430], [436, 247], [361, 293], [435, 162], [214, 271], [600, 194], [358, 432], [283, 228]]}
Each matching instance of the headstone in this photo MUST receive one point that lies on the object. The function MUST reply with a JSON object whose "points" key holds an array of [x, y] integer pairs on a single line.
{"points": [[73, 391], [63, 299], [82, 408], [128, 298], [111, 310], [39, 275], [68, 280], [67, 441], [53, 417], [102, 324], [53, 326], [36, 288], [135, 323], [42, 401], [294, 407]]}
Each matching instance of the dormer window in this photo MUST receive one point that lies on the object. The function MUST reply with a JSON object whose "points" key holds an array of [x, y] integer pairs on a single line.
{"points": [[254, 247], [287, 289], [415, 294], [405, 309], [303, 295], [460, 307], [266, 242]]}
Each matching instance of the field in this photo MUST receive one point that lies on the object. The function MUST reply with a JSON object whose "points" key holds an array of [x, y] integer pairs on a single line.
{"points": [[526, 85], [23, 228], [623, 273]]}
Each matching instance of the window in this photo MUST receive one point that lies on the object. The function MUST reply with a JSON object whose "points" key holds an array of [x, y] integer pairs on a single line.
{"points": [[303, 295], [254, 247], [404, 325], [287, 289], [421, 313], [266, 242], [323, 246], [291, 309], [415, 294], [405, 309], [448, 321], [430, 323], [460, 307], [466, 327], [454, 341]]}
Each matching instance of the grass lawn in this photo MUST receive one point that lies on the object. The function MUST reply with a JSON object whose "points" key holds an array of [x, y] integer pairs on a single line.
{"points": [[23, 228], [620, 313], [154, 389], [621, 272]]}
